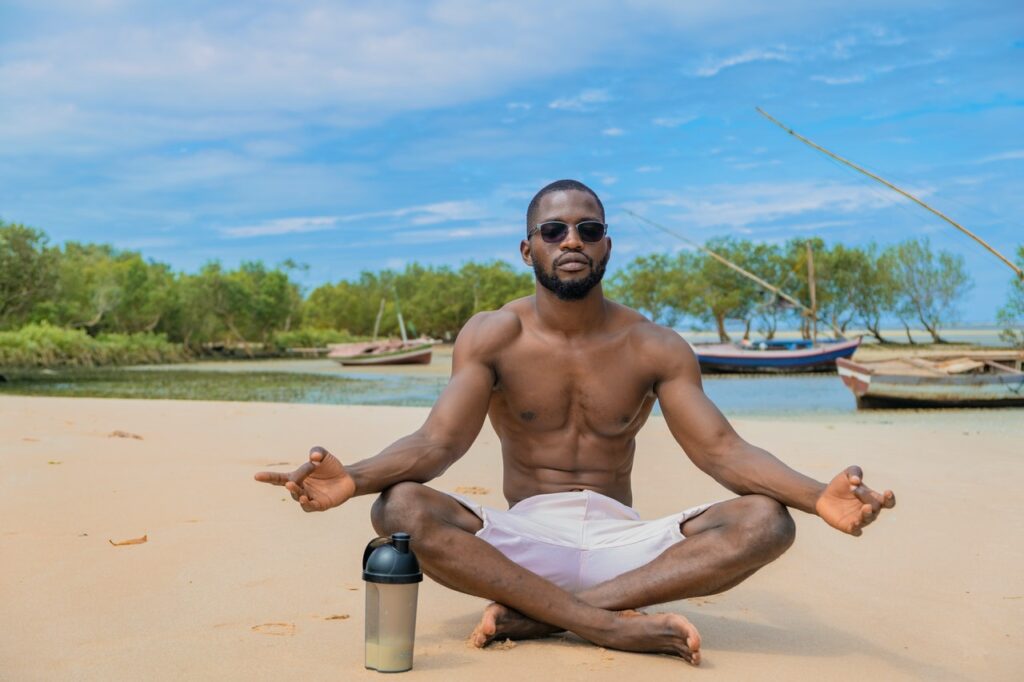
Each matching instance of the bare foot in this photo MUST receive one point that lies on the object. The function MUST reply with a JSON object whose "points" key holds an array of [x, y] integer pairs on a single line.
{"points": [[501, 622], [665, 633]]}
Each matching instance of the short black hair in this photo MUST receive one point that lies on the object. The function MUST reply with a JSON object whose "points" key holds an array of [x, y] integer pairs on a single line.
{"points": [[557, 186]]}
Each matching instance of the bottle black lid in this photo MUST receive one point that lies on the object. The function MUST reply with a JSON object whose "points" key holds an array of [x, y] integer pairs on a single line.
{"points": [[391, 561]]}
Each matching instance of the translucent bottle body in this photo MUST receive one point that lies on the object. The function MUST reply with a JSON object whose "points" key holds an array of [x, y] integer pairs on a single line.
{"points": [[390, 626]]}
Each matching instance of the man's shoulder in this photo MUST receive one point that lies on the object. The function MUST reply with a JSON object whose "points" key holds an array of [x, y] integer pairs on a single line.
{"points": [[489, 331], [653, 341]]}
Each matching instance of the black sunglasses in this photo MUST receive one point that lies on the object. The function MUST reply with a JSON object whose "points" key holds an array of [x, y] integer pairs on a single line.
{"points": [[555, 231]]}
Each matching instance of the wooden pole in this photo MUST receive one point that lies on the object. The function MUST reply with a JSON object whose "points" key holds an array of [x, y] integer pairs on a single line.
{"points": [[729, 264], [851, 164], [376, 324]]}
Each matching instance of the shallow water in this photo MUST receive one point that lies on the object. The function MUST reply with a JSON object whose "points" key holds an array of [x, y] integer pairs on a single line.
{"points": [[797, 396]]}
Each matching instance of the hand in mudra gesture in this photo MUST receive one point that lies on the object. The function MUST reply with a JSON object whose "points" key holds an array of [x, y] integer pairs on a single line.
{"points": [[849, 505], [318, 485]]}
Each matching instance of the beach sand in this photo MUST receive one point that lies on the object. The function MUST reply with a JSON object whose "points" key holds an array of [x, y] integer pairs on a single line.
{"points": [[236, 582]]}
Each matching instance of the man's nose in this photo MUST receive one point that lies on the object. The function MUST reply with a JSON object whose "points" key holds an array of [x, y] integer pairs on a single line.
{"points": [[572, 241]]}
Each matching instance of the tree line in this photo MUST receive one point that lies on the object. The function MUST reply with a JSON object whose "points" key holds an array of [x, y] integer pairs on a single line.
{"points": [[101, 290], [854, 286]]}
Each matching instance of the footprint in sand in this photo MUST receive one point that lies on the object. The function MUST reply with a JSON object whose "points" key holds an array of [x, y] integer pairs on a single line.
{"points": [[276, 629]]}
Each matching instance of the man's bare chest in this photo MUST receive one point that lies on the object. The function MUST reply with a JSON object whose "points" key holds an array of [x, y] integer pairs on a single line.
{"points": [[597, 387]]}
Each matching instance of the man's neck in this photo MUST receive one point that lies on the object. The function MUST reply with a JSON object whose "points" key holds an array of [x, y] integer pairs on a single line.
{"points": [[571, 318]]}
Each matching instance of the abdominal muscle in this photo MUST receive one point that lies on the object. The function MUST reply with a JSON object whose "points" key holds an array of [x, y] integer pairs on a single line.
{"points": [[537, 464]]}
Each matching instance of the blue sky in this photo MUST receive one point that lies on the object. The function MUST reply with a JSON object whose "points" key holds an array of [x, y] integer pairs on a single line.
{"points": [[353, 136]]}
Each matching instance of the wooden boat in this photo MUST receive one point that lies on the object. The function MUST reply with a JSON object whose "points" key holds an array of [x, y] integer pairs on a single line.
{"points": [[983, 379], [390, 352], [774, 356]]}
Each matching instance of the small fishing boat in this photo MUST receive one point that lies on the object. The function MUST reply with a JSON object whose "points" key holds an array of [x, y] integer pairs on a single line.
{"points": [[774, 356], [989, 379], [386, 352], [389, 352]]}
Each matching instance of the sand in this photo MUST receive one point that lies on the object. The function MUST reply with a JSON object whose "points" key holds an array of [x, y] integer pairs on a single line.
{"points": [[235, 582]]}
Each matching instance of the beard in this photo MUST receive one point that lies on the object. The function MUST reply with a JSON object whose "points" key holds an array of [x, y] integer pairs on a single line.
{"points": [[572, 290]]}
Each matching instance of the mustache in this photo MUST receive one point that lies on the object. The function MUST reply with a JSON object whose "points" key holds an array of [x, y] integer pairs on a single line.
{"points": [[574, 258]]}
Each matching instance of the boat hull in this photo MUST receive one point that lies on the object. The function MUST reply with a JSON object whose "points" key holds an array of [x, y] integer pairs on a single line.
{"points": [[417, 355], [728, 358], [877, 390]]}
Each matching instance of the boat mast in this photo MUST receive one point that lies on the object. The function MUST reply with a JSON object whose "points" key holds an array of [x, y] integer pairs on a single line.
{"points": [[1012, 266], [401, 322], [729, 264], [376, 324]]}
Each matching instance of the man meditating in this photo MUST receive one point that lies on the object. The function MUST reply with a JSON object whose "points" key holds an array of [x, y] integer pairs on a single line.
{"points": [[568, 378]]}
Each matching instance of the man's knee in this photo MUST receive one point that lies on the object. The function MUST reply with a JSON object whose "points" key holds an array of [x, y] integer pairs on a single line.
{"points": [[766, 526], [402, 507]]}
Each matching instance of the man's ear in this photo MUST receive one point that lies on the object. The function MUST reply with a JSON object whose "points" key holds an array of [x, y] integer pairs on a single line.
{"points": [[524, 251]]}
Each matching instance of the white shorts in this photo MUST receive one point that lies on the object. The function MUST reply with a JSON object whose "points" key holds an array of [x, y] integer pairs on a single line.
{"points": [[577, 539]]}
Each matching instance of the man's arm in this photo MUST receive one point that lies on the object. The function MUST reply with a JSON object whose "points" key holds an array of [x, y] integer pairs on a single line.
{"points": [[452, 426], [715, 447], [454, 421]]}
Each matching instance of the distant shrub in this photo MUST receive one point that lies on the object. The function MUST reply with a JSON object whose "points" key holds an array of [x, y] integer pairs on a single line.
{"points": [[311, 337], [42, 345]]}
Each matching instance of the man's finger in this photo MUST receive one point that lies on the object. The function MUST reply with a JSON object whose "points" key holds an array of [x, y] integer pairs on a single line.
{"points": [[888, 499], [272, 477], [309, 505], [300, 474], [295, 489], [869, 497], [855, 474]]}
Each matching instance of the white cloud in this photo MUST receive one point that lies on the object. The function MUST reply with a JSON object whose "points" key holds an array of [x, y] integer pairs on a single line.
{"points": [[426, 214], [672, 121], [520, 106], [1011, 155], [713, 66], [584, 101], [840, 80], [283, 226], [648, 169], [613, 132], [740, 206]]}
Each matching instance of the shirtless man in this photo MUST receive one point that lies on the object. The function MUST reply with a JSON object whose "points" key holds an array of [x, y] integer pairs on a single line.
{"points": [[568, 378]]}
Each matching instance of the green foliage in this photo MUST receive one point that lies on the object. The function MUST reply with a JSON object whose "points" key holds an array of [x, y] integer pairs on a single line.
{"points": [[872, 289], [434, 301], [41, 345], [311, 337], [650, 284], [26, 273], [927, 285], [1011, 316]]}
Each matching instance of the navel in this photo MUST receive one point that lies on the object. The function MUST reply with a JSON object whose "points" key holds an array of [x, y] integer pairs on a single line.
{"points": [[527, 416]]}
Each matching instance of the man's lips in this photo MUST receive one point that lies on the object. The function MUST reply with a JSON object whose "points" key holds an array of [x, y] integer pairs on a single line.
{"points": [[573, 263]]}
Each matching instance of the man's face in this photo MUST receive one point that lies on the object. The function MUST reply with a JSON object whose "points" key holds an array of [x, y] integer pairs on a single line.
{"points": [[572, 267]]}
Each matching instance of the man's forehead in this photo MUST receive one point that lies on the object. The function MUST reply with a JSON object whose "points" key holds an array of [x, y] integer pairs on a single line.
{"points": [[569, 203]]}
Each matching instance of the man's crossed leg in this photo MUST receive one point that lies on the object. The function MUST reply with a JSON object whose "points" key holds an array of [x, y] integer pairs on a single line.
{"points": [[724, 545]]}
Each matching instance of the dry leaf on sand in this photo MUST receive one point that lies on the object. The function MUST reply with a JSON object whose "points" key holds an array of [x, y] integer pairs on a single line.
{"points": [[472, 490], [338, 616], [132, 541], [276, 629], [123, 434]]}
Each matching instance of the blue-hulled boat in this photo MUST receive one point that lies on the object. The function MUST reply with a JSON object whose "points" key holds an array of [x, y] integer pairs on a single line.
{"points": [[797, 355]]}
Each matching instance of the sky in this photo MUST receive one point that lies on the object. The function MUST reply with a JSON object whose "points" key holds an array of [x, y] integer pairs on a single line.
{"points": [[360, 136]]}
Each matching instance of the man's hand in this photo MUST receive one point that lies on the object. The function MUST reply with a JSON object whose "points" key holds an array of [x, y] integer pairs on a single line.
{"points": [[849, 505], [317, 485]]}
